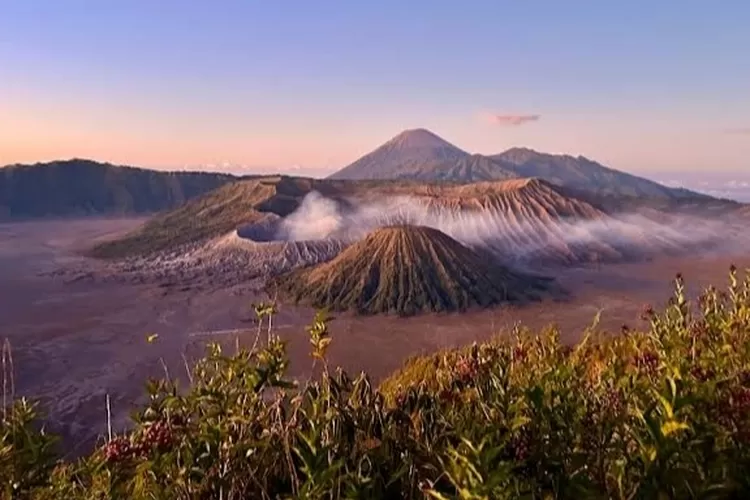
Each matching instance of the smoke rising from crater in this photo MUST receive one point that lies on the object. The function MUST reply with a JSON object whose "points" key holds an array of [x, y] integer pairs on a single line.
{"points": [[512, 235]]}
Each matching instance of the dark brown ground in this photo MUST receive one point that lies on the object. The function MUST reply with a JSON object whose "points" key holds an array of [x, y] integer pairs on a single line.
{"points": [[73, 343]]}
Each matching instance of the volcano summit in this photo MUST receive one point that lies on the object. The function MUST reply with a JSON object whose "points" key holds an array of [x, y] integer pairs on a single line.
{"points": [[408, 270]]}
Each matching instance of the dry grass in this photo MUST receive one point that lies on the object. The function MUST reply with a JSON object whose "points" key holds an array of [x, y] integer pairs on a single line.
{"points": [[214, 214]]}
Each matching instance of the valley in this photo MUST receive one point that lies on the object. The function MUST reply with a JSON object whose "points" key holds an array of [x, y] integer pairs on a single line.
{"points": [[76, 341], [416, 247]]}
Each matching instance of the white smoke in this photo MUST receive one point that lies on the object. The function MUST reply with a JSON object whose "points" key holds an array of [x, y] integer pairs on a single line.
{"points": [[317, 218], [514, 236]]}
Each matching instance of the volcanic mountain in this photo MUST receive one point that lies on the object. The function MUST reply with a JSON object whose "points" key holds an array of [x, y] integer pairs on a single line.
{"points": [[524, 222], [408, 270], [214, 214], [421, 155]]}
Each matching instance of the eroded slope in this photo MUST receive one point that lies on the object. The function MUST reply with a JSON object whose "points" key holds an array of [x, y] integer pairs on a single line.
{"points": [[407, 270]]}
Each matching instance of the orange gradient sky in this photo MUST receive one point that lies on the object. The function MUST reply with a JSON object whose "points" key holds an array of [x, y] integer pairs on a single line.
{"points": [[173, 85]]}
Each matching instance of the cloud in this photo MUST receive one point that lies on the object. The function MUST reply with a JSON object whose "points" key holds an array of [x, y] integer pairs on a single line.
{"points": [[510, 120]]}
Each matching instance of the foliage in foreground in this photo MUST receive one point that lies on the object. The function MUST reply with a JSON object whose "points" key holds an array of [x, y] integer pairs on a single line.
{"points": [[663, 413]]}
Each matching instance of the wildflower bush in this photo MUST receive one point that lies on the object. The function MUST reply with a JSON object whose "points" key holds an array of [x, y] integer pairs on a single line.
{"points": [[658, 413]]}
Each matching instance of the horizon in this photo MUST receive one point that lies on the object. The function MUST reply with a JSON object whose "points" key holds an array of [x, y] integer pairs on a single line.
{"points": [[646, 89], [728, 185]]}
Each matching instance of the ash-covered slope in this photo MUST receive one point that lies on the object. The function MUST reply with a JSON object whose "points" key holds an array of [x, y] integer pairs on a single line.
{"points": [[407, 270], [421, 155], [264, 256], [526, 223], [471, 168], [522, 220], [532, 222]]}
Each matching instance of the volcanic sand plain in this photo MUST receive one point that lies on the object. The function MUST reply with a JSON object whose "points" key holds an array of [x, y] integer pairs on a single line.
{"points": [[75, 341]]}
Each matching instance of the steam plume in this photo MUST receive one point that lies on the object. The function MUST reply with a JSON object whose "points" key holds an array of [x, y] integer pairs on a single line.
{"points": [[512, 235]]}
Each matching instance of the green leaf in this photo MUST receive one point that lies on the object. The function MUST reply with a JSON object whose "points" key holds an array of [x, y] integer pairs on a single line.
{"points": [[435, 494], [665, 404], [518, 422], [672, 426]]}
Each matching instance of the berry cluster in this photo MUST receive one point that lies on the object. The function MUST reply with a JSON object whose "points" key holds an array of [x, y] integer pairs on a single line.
{"points": [[157, 435], [735, 412], [520, 445], [648, 313], [118, 449], [702, 374], [520, 353], [613, 402], [466, 370], [647, 362]]}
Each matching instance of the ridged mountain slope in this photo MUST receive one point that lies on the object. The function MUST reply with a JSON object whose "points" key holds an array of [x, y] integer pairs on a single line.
{"points": [[584, 174], [214, 214], [421, 155], [408, 155], [408, 270]]}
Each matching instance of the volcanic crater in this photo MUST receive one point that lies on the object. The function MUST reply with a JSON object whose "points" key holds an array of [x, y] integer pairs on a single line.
{"points": [[255, 230], [406, 270]]}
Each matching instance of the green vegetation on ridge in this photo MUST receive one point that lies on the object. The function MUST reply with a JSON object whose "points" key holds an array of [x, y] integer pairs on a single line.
{"points": [[659, 413], [213, 214], [83, 187]]}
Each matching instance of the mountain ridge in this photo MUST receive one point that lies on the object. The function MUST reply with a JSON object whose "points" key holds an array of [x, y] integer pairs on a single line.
{"points": [[408, 151], [86, 187], [247, 201], [580, 172], [398, 158]]}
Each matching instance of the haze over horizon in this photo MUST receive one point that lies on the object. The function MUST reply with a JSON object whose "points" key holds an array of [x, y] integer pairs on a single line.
{"points": [[653, 89]]}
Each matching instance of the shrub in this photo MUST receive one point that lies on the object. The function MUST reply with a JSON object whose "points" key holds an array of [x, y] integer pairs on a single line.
{"points": [[660, 413]]}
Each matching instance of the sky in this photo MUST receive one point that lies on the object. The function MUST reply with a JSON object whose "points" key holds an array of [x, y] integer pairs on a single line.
{"points": [[642, 86]]}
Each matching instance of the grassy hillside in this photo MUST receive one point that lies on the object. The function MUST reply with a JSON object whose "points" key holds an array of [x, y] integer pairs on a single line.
{"points": [[83, 187], [656, 412], [213, 214]]}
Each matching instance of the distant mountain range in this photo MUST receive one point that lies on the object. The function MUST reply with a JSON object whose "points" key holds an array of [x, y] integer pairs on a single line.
{"points": [[421, 155], [83, 187]]}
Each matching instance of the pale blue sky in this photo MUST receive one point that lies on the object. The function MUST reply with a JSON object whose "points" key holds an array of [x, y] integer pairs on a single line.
{"points": [[640, 85]]}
